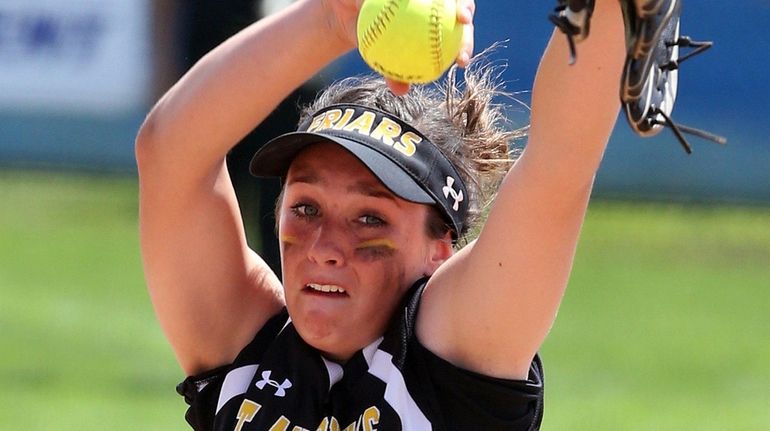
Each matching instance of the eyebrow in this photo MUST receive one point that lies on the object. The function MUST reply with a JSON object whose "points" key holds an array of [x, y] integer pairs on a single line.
{"points": [[366, 188], [307, 178]]}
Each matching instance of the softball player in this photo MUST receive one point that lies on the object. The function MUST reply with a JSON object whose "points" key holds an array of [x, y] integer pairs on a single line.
{"points": [[382, 321]]}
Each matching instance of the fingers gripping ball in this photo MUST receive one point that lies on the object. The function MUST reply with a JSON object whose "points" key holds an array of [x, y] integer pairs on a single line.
{"points": [[411, 41]]}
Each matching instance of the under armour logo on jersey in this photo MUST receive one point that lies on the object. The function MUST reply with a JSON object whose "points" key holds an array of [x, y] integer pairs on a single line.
{"points": [[449, 190], [280, 388]]}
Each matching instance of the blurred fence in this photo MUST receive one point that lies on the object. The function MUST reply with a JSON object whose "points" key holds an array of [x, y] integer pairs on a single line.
{"points": [[77, 77]]}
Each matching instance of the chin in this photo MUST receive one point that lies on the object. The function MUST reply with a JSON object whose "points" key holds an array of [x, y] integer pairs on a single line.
{"points": [[332, 343], [334, 337], [317, 327]]}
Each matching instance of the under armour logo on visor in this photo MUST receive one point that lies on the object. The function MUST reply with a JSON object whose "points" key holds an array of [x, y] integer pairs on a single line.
{"points": [[280, 388], [449, 190]]}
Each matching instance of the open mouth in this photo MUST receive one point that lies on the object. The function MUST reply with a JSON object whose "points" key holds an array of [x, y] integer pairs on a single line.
{"points": [[325, 289]]}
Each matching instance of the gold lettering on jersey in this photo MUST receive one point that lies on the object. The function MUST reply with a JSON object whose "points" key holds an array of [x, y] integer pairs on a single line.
{"points": [[283, 423], [367, 421], [329, 424], [387, 131], [246, 413], [370, 419]]}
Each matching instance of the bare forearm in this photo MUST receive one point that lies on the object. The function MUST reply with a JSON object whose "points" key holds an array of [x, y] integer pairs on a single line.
{"points": [[574, 108], [546, 192], [238, 84], [199, 269]]}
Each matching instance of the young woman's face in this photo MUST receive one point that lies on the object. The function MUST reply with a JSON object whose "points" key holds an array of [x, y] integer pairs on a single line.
{"points": [[350, 249]]}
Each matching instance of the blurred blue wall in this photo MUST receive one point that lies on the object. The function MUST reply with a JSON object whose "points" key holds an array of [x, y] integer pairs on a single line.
{"points": [[75, 81], [724, 91]]}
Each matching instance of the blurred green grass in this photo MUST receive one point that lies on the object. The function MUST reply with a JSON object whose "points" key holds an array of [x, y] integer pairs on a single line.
{"points": [[81, 348], [665, 324]]}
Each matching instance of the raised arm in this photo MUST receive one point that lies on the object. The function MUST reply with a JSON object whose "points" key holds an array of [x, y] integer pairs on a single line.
{"points": [[491, 305], [210, 291]]}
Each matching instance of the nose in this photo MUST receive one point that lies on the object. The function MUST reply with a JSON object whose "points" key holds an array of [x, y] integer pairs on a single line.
{"points": [[327, 246]]}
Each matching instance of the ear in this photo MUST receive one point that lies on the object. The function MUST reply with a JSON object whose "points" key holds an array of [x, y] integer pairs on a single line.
{"points": [[440, 251]]}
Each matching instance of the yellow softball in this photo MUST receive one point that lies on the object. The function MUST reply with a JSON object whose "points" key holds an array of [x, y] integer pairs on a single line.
{"points": [[412, 41]]}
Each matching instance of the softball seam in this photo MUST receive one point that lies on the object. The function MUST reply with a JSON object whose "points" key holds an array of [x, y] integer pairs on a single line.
{"points": [[379, 24], [436, 36]]}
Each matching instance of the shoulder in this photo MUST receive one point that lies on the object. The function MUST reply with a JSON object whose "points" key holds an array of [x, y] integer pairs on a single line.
{"points": [[204, 392], [470, 400], [464, 399]]}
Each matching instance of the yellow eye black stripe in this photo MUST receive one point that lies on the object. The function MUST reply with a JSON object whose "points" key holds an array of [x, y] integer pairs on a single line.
{"points": [[377, 242], [289, 239]]}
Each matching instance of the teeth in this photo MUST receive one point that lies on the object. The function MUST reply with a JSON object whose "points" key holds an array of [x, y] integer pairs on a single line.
{"points": [[326, 288]]}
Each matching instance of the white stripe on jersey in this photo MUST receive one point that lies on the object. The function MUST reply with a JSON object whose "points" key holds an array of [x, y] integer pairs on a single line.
{"points": [[236, 382], [334, 370], [381, 366]]}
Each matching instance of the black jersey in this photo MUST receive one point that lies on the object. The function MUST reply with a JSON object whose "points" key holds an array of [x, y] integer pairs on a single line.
{"points": [[280, 383]]}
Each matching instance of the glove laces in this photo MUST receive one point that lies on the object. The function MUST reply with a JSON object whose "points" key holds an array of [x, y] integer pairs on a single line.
{"points": [[679, 129]]}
